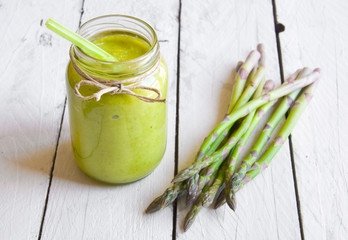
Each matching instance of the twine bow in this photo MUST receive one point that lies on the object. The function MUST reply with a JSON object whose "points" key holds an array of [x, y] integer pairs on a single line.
{"points": [[115, 86]]}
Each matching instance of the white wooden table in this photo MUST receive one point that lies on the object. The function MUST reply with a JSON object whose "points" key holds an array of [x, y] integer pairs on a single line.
{"points": [[304, 193]]}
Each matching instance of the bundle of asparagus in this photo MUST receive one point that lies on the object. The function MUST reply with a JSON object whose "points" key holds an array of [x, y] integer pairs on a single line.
{"points": [[215, 168]]}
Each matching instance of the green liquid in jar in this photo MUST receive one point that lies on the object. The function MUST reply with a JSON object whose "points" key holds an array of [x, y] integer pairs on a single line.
{"points": [[123, 46], [120, 138]]}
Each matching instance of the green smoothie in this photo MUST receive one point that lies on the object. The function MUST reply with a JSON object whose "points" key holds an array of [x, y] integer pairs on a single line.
{"points": [[118, 139]]}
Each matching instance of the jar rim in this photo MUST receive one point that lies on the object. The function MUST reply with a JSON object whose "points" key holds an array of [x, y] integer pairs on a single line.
{"points": [[152, 45], [148, 57]]}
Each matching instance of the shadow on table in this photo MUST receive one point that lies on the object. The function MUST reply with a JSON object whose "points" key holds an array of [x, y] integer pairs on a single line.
{"points": [[65, 167]]}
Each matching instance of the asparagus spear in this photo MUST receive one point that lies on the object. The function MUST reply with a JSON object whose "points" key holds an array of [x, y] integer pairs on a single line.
{"points": [[191, 215], [261, 49], [297, 109], [192, 188], [234, 154], [209, 171], [233, 157], [167, 198], [233, 184], [241, 77], [221, 198], [250, 77], [193, 182], [234, 116], [208, 196], [242, 70], [257, 81], [254, 78], [207, 193], [251, 87], [220, 154], [208, 176]]}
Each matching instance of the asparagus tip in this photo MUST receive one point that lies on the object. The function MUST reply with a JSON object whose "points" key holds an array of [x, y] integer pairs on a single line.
{"points": [[239, 64], [231, 200], [255, 55], [293, 76], [317, 70], [190, 217], [220, 200], [187, 225], [178, 178], [154, 206], [261, 49], [269, 86]]}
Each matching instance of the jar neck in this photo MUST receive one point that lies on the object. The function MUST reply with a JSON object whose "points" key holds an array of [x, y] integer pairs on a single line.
{"points": [[117, 70]]}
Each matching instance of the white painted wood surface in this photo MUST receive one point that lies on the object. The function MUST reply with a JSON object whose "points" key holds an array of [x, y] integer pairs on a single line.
{"points": [[214, 36], [316, 36], [32, 96]]}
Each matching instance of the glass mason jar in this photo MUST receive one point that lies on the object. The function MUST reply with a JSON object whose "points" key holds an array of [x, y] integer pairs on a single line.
{"points": [[120, 138]]}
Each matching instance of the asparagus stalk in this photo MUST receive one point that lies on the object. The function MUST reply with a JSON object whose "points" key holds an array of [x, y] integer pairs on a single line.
{"points": [[234, 156], [233, 184], [233, 117], [194, 187], [297, 109], [207, 193], [221, 199], [254, 78], [250, 77], [221, 154], [208, 196], [208, 174], [192, 183], [257, 81], [218, 156], [172, 192], [251, 87], [242, 75]]}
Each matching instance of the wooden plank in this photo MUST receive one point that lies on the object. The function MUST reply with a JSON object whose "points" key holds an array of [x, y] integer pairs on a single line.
{"points": [[214, 36], [316, 35], [32, 95], [81, 208]]}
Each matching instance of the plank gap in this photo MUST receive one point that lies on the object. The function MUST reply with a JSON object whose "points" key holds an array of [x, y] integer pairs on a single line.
{"points": [[176, 157], [56, 149], [82, 11], [298, 203], [278, 30], [52, 170]]}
